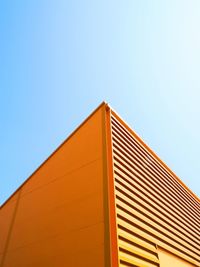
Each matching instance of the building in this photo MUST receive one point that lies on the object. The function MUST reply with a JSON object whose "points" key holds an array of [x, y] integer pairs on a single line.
{"points": [[102, 199]]}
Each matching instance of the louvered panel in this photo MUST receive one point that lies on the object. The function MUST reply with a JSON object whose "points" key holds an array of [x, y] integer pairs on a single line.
{"points": [[122, 197], [149, 225], [151, 228], [134, 259], [127, 265], [132, 227], [135, 157], [128, 136], [148, 195], [132, 189], [137, 240], [138, 248], [160, 189], [157, 194], [153, 207]]}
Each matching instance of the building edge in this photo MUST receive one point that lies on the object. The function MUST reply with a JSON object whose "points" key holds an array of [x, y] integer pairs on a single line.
{"points": [[103, 103], [126, 125], [109, 197]]}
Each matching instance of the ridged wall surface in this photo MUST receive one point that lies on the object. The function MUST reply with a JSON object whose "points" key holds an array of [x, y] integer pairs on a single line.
{"points": [[153, 208]]}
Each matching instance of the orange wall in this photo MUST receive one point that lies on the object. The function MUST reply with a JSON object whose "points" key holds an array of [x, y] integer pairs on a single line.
{"points": [[102, 199], [167, 259], [59, 218], [153, 208], [6, 220]]}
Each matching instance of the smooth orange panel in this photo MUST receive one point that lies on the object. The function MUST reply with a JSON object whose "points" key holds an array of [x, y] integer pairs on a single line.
{"points": [[6, 217], [83, 148], [168, 259], [54, 251], [60, 216]]}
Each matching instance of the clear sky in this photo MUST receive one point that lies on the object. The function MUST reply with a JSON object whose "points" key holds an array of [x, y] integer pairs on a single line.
{"points": [[59, 59]]}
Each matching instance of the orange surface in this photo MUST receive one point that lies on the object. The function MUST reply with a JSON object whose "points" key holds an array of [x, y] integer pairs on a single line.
{"points": [[59, 219], [167, 259], [114, 255], [6, 218], [153, 206], [102, 199]]}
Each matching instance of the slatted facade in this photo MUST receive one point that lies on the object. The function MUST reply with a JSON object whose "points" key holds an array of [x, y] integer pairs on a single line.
{"points": [[153, 208], [102, 199]]}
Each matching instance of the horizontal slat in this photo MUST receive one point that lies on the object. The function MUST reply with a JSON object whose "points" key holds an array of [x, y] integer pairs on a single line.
{"points": [[156, 229], [146, 193], [126, 257], [131, 139], [132, 226], [147, 164], [145, 179], [138, 252], [158, 186], [131, 195], [126, 264], [138, 241], [149, 161], [153, 207]]}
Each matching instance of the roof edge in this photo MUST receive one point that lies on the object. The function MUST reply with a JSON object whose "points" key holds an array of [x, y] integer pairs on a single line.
{"points": [[155, 155]]}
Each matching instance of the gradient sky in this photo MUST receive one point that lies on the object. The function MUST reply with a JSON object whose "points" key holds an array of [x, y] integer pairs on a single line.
{"points": [[60, 59]]}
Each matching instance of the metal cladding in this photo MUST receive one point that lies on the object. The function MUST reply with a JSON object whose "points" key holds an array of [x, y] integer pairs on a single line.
{"points": [[153, 208], [56, 217], [103, 198]]}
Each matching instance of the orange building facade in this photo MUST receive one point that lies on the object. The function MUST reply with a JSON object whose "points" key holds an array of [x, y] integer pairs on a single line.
{"points": [[102, 199]]}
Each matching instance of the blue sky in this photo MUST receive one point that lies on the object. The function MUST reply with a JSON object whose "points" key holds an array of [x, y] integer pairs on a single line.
{"points": [[60, 59]]}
